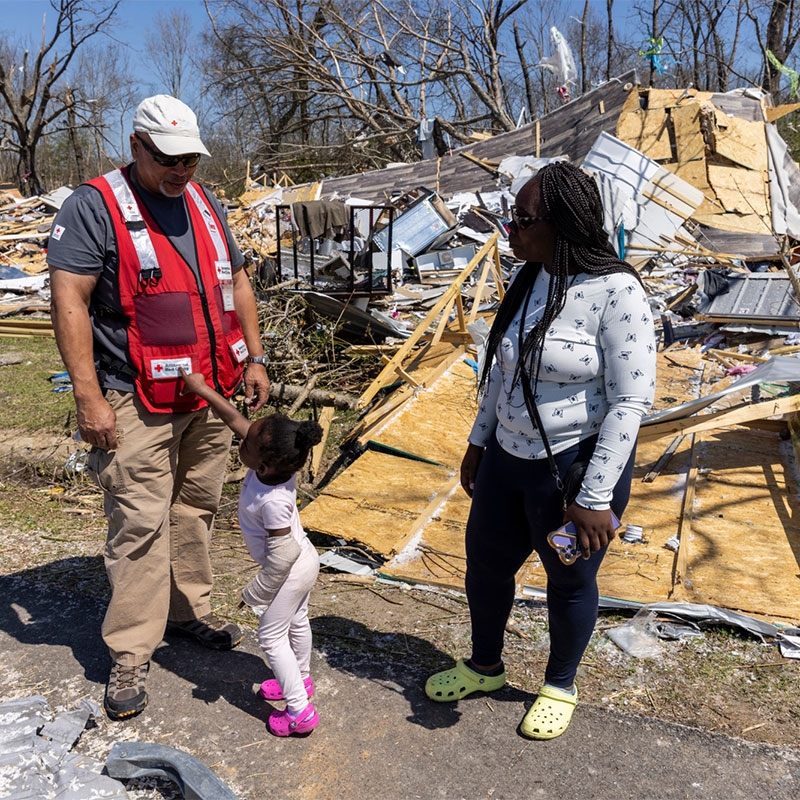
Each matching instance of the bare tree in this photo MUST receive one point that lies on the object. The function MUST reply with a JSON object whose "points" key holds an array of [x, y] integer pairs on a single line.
{"points": [[706, 36], [31, 86], [777, 24], [359, 76], [168, 43], [610, 39]]}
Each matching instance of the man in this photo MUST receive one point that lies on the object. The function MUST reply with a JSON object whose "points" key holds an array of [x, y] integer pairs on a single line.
{"points": [[146, 279]]}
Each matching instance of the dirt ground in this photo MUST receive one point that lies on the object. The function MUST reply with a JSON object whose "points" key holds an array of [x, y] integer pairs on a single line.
{"points": [[724, 680]]}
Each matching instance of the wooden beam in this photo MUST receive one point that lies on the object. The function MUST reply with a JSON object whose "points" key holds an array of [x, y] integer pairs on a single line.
{"points": [[663, 460], [424, 517], [479, 290], [325, 419], [490, 167], [444, 301], [740, 356], [680, 570], [721, 419]]}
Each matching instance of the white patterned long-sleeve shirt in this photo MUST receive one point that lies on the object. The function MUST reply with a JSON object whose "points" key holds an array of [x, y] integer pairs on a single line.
{"points": [[597, 376]]}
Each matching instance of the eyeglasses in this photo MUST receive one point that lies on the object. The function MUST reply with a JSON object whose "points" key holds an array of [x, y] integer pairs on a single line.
{"points": [[169, 161], [522, 220]]}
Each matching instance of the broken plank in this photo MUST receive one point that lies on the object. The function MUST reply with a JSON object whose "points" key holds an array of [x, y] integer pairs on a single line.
{"points": [[680, 579], [721, 419], [664, 460], [416, 335], [325, 419]]}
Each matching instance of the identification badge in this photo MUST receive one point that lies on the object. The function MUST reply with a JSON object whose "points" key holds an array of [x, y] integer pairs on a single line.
{"points": [[227, 296], [169, 368], [225, 277]]}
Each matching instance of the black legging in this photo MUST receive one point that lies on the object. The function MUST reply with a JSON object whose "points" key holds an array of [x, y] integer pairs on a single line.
{"points": [[515, 505]]}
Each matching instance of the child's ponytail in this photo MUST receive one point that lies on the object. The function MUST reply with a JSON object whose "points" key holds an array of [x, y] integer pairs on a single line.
{"points": [[309, 433]]}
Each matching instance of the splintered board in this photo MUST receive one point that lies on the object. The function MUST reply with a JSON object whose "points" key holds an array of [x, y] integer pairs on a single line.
{"points": [[730, 496], [743, 545]]}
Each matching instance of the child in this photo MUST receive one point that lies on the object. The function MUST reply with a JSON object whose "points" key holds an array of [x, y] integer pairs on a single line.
{"points": [[275, 448]]}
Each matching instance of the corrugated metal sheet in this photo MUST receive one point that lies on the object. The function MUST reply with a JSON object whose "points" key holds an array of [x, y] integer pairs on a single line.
{"points": [[569, 130], [760, 297]]}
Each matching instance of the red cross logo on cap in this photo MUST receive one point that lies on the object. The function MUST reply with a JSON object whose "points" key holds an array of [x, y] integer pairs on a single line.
{"points": [[174, 122]]}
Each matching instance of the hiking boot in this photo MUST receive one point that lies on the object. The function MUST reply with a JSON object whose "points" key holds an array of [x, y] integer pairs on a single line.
{"points": [[210, 631], [125, 693]]}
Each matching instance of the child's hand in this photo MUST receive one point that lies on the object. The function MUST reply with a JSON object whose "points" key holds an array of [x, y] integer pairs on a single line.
{"points": [[194, 383]]}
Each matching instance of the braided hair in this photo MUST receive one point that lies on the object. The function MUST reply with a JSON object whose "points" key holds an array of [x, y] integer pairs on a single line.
{"points": [[571, 199], [284, 444]]}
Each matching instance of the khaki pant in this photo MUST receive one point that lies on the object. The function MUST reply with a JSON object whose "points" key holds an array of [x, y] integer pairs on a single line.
{"points": [[162, 487]]}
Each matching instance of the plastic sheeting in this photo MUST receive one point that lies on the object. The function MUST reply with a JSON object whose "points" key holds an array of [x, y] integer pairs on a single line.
{"points": [[35, 758]]}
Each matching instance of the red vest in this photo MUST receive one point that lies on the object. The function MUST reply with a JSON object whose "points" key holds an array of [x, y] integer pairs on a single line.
{"points": [[174, 320]]}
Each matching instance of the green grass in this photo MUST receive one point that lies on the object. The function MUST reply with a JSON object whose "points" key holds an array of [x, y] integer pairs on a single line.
{"points": [[27, 400]]}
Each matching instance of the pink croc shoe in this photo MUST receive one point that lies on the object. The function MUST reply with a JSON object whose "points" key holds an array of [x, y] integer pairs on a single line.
{"points": [[271, 689], [282, 723]]}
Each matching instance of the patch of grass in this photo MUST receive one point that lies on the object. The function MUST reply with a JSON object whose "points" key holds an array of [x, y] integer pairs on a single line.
{"points": [[27, 400]]}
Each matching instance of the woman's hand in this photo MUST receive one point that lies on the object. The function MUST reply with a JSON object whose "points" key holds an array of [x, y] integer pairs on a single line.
{"points": [[469, 467], [595, 528]]}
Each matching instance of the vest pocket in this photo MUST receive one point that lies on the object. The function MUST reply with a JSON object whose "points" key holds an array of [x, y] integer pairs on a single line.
{"points": [[165, 319], [229, 319]]}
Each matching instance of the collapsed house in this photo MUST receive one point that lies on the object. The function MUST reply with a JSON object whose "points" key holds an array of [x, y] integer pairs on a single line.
{"points": [[702, 197]]}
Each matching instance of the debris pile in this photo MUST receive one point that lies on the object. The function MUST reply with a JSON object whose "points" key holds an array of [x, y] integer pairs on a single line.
{"points": [[376, 291]]}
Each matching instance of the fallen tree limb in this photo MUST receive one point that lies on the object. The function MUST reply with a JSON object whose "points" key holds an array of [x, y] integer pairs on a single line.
{"points": [[303, 396], [287, 393]]}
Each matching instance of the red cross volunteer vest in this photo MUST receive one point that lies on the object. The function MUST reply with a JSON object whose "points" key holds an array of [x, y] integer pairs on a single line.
{"points": [[175, 319]]}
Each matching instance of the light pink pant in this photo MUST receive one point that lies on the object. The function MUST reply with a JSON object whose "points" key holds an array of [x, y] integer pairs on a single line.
{"points": [[162, 488], [284, 632]]}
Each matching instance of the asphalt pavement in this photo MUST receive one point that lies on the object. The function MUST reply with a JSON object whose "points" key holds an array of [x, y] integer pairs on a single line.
{"points": [[379, 736]]}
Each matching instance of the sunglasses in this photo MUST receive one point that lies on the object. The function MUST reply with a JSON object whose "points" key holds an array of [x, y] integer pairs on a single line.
{"points": [[522, 220], [169, 161]]}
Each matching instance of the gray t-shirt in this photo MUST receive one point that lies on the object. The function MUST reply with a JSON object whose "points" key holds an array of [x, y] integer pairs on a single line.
{"points": [[87, 245]]}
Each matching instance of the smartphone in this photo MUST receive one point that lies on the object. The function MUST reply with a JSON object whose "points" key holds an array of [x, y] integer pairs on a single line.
{"points": [[564, 541]]}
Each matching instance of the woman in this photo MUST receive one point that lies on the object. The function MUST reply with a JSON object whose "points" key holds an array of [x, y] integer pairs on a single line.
{"points": [[571, 353]]}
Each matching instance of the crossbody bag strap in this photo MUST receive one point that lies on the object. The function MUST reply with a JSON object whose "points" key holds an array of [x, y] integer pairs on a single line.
{"points": [[530, 401]]}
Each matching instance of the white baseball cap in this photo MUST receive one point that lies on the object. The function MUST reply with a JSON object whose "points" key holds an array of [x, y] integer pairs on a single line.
{"points": [[171, 124]]}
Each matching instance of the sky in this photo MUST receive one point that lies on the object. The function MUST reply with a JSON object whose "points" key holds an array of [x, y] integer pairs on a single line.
{"points": [[23, 19]]}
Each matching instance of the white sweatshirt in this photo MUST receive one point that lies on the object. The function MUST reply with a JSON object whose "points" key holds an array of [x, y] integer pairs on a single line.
{"points": [[597, 377]]}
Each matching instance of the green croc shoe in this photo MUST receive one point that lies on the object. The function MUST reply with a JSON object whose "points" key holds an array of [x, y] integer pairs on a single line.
{"points": [[550, 714], [460, 681]]}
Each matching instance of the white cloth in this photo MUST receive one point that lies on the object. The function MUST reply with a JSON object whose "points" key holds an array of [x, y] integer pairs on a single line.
{"points": [[597, 377]]}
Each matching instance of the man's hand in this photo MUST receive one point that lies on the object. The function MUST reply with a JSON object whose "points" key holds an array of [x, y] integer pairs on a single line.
{"points": [[97, 423], [256, 386]]}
